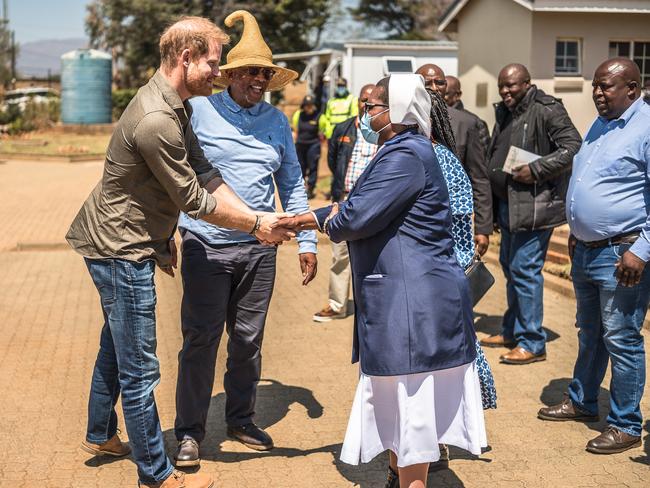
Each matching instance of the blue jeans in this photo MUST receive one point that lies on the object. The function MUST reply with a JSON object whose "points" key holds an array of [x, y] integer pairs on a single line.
{"points": [[522, 256], [609, 318], [127, 363]]}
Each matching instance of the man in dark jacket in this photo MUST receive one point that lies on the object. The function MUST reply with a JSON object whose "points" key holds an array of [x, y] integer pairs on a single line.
{"points": [[528, 203], [471, 151], [348, 154], [453, 96]]}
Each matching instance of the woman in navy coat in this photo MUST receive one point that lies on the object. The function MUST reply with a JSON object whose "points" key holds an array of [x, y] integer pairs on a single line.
{"points": [[413, 331]]}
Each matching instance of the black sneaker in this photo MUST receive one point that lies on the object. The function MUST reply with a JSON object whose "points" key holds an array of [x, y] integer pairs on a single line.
{"points": [[251, 436], [187, 453]]}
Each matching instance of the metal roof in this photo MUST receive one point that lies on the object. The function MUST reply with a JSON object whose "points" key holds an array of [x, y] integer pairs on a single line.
{"points": [[602, 6], [390, 44]]}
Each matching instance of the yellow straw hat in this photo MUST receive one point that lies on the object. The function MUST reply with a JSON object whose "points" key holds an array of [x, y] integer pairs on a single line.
{"points": [[251, 50]]}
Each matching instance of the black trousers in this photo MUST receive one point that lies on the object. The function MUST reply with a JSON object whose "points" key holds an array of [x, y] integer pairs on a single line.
{"points": [[221, 284], [308, 155]]}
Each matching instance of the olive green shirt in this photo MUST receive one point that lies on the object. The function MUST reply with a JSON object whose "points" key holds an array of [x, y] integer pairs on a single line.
{"points": [[154, 167]]}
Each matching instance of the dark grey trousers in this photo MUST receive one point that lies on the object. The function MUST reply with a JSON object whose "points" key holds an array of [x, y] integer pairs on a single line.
{"points": [[221, 284]]}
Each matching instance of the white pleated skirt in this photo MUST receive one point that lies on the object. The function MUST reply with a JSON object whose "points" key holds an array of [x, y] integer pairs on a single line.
{"points": [[412, 414]]}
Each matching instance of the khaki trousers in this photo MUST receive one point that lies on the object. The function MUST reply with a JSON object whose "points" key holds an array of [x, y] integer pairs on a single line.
{"points": [[340, 275]]}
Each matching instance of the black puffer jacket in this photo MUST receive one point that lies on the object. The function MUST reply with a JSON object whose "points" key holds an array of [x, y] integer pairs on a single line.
{"points": [[540, 124]]}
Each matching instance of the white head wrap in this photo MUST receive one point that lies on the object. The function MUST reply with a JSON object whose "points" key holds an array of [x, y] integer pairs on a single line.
{"points": [[409, 102]]}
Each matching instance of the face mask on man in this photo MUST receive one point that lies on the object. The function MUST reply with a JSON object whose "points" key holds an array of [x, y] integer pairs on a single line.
{"points": [[341, 91], [367, 132]]}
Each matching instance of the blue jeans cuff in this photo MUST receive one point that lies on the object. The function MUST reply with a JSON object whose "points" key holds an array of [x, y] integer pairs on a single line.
{"points": [[167, 474], [631, 431], [97, 440]]}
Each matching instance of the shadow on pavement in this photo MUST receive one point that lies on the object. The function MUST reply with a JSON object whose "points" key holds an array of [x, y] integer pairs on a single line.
{"points": [[553, 393], [491, 325], [646, 447], [273, 402], [99, 461]]}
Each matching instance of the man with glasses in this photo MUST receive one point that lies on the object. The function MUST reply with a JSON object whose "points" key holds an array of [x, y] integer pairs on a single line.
{"points": [[348, 154], [471, 153], [228, 276]]}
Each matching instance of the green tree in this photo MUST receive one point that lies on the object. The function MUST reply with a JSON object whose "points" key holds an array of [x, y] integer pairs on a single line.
{"points": [[402, 19], [130, 29], [5, 54]]}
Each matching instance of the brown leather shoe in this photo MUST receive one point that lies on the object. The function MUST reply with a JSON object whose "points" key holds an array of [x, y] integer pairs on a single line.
{"points": [[519, 355], [613, 441], [497, 340], [327, 315], [182, 480], [112, 447], [187, 453], [565, 411]]}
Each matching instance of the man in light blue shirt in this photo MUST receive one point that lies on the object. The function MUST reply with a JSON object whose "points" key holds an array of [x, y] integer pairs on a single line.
{"points": [[608, 210], [228, 275]]}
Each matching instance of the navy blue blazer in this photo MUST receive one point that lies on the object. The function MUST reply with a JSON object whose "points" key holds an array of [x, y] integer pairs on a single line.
{"points": [[413, 311]]}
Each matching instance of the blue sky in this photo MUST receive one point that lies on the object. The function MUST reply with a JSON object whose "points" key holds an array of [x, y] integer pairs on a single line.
{"points": [[35, 20]]}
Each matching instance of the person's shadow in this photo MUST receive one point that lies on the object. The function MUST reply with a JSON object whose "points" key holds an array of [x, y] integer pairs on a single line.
{"points": [[645, 459], [554, 392], [274, 400], [491, 325]]}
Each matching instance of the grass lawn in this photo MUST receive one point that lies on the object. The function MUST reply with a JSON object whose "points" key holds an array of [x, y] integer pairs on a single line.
{"points": [[52, 143]]}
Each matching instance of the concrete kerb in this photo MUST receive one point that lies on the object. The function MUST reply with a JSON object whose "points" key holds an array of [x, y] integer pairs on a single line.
{"points": [[50, 158]]}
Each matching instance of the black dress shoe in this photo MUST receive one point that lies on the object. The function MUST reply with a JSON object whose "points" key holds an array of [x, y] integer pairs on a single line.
{"points": [[613, 441], [565, 411], [251, 436], [187, 453]]}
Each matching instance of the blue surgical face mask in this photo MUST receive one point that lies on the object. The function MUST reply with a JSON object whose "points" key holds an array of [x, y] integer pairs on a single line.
{"points": [[341, 91], [368, 134]]}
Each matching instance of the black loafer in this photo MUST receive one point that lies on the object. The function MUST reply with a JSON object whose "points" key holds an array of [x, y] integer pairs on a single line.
{"points": [[251, 436], [187, 453]]}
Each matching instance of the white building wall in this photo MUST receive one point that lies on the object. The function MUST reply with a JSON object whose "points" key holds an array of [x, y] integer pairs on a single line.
{"points": [[365, 66]]}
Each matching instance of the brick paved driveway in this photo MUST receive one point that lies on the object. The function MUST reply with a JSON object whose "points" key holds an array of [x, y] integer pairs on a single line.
{"points": [[49, 327]]}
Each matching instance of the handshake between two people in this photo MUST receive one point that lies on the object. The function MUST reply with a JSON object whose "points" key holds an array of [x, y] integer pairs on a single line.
{"points": [[279, 227], [276, 228]]}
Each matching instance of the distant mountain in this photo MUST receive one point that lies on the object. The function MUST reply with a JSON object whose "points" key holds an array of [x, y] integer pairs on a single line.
{"points": [[35, 58]]}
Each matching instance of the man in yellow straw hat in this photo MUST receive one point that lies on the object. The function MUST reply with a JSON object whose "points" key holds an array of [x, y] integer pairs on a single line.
{"points": [[228, 276]]}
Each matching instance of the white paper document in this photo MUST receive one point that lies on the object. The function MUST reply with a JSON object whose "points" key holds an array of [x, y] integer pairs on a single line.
{"points": [[518, 157]]}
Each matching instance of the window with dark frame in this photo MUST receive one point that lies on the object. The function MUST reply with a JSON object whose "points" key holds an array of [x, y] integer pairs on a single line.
{"points": [[567, 57], [638, 51], [399, 65]]}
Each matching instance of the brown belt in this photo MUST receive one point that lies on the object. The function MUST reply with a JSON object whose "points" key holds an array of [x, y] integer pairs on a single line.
{"points": [[628, 238]]}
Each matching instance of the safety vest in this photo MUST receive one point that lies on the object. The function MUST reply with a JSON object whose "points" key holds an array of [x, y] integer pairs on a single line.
{"points": [[339, 110]]}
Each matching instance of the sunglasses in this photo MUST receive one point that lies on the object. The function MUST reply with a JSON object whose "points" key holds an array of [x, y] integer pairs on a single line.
{"points": [[370, 106], [253, 71], [437, 82]]}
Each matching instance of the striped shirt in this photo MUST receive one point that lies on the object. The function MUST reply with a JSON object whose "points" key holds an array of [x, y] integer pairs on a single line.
{"points": [[362, 154]]}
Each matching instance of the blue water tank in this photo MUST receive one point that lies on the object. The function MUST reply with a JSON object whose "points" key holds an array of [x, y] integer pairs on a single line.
{"points": [[86, 76]]}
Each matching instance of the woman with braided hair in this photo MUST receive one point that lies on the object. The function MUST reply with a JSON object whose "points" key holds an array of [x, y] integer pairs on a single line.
{"points": [[460, 199]]}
